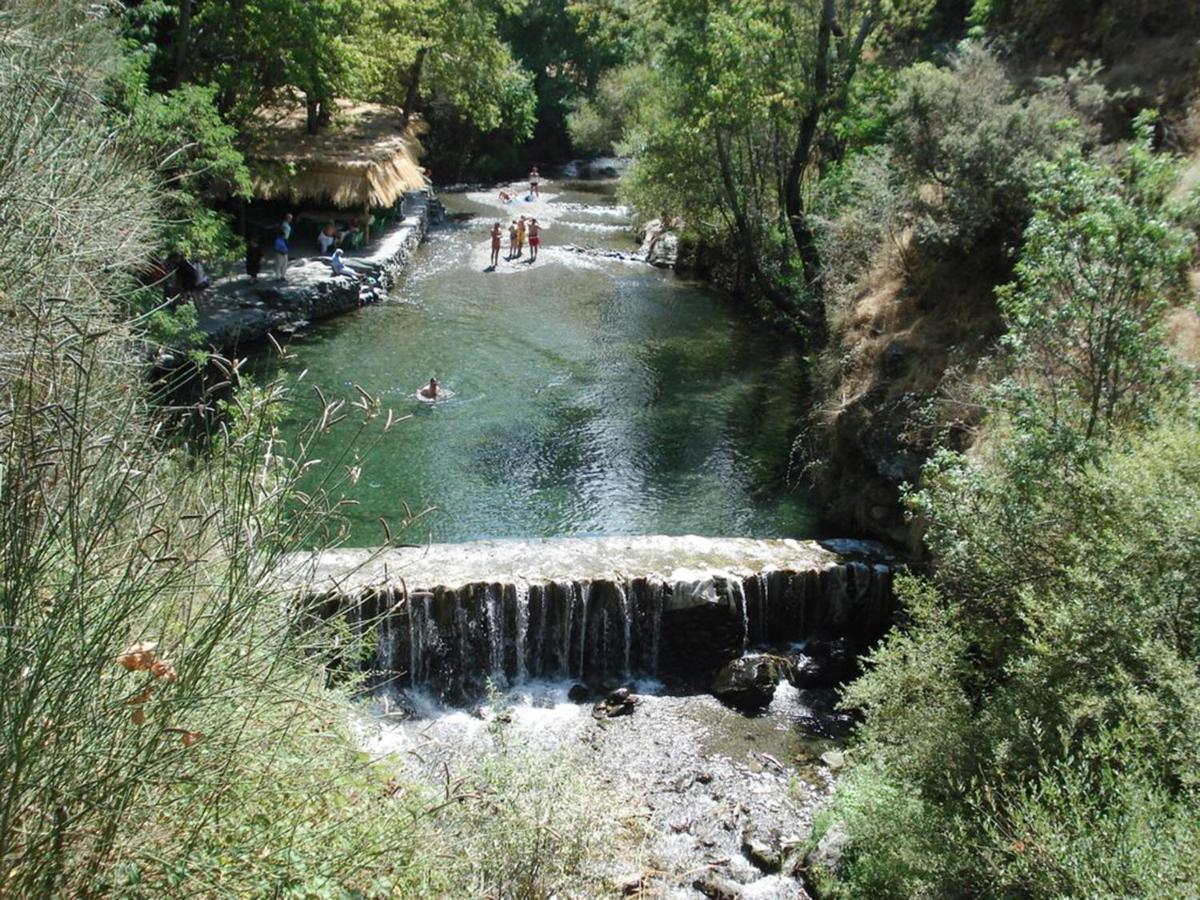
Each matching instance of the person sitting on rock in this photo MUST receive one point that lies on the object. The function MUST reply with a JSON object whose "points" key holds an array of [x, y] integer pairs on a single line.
{"points": [[338, 264], [431, 390]]}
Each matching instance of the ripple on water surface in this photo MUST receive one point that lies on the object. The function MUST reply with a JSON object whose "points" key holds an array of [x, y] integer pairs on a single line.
{"points": [[590, 396]]}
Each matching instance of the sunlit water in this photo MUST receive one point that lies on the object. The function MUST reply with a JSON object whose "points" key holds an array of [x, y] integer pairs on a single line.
{"points": [[590, 396]]}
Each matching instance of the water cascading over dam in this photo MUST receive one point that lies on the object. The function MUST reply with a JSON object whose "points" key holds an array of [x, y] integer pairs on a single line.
{"points": [[449, 617]]}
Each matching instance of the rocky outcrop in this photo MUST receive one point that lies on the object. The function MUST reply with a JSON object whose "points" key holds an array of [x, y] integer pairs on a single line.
{"points": [[235, 312], [600, 167], [597, 610], [659, 243]]}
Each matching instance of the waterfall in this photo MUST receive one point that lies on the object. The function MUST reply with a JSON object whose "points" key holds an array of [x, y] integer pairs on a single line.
{"points": [[738, 593], [522, 631], [606, 631]]}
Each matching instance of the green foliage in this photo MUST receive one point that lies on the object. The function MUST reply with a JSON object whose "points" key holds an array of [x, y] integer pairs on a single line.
{"points": [[750, 104], [969, 143], [197, 161], [1105, 257], [598, 122], [1039, 713], [465, 61]]}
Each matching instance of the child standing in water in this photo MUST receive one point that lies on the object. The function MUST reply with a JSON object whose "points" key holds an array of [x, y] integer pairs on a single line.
{"points": [[535, 239], [520, 235], [512, 239], [495, 245]]}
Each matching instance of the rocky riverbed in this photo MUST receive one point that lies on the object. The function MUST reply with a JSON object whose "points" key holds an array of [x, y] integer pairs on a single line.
{"points": [[726, 799]]}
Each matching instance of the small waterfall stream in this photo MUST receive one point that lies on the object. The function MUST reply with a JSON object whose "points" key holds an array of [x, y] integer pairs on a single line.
{"points": [[451, 640]]}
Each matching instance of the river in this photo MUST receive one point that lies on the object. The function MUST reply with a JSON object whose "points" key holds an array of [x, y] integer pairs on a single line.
{"points": [[591, 396]]}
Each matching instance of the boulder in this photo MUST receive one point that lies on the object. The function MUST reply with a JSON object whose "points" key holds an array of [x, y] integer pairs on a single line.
{"points": [[659, 244], [749, 683], [829, 852], [618, 703], [762, 849], [717, 887], [579, 693], [823, 664]]}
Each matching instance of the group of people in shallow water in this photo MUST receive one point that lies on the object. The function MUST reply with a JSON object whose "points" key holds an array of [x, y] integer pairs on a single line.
{"points": [[518, 231]]}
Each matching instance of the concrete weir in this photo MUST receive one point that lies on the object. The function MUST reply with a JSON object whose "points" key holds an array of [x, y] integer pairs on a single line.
{"points": [[448, 617]]}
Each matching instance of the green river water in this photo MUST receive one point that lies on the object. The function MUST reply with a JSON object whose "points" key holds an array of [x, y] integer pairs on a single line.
{"points": [[590, 396]]}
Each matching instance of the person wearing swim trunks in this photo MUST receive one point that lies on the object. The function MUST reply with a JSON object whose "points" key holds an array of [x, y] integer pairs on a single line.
{"points": [[495, 245], [520, 235], [534, 178], [535, 239]]}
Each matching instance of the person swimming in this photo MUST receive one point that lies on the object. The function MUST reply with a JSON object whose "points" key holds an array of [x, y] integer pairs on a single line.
{"points": [[431, 391]]}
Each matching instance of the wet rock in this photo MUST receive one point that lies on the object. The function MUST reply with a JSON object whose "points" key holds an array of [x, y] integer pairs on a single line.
{"points": [[717, 887], [618, 703], [828, 855], [749, 683], [834, 759], [579, 693], [774, 887], [659, 244], [824, 664], [762, 849]]}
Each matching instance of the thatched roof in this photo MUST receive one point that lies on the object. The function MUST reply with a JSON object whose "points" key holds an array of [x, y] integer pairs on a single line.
{"points": [[365, 156]]}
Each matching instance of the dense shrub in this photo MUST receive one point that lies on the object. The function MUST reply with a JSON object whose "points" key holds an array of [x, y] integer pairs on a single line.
{"points": [[1034, 728], [969, 142]]}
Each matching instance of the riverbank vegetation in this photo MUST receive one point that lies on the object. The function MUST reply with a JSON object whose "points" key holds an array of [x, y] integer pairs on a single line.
{"points": [[165, 725], [986, 256], [1031, 729]]}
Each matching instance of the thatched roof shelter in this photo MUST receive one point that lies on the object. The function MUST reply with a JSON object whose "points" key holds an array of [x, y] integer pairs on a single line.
{"points": [[366, 157]]}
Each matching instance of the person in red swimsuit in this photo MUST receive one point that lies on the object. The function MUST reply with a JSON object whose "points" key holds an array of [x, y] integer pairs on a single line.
{"points": [[535, 239]]}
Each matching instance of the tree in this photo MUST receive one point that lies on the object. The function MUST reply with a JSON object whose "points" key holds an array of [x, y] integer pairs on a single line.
{"points": [[1105, 257], [760, 83], [180, 136], [450, 48]]}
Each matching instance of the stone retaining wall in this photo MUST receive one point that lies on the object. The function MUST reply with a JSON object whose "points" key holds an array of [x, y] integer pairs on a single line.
{"points": [[234, 312]]}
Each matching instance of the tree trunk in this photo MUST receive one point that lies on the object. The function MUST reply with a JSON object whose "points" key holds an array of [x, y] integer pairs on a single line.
{"points": [[793, 199], [312, 113], [183, 39], [414, 85], [748, 253]]}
